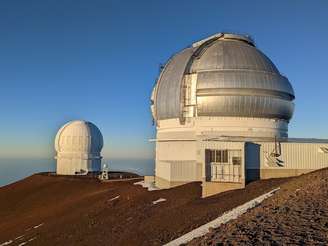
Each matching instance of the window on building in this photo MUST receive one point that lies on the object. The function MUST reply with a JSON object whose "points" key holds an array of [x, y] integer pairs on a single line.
{"points": [[212, 155], [220, 156], [236, 160]]}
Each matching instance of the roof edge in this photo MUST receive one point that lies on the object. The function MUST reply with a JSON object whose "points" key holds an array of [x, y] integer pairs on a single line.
{"points": [[227, 36]]}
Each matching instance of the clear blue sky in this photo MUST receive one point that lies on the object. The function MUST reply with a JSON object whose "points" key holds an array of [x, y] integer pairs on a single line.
{"points": [[97, 60]]}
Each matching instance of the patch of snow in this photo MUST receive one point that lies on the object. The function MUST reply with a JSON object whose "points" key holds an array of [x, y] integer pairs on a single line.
{"points": [[6, 243], [31, 239], [142, 183], [114, 198], [149, 185], [159, 200], [19, 237], [37, 226], [226, 217], [33, 227]]}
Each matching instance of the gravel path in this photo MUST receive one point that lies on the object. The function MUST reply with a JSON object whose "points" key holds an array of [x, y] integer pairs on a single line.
{"points": [[297, 214]]}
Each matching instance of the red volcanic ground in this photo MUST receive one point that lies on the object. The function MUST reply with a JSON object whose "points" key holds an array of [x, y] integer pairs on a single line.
{"points": [[58, 210]]}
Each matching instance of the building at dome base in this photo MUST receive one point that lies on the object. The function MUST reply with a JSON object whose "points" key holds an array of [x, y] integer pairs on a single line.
{"points": [[222, 109], [78, 145]]}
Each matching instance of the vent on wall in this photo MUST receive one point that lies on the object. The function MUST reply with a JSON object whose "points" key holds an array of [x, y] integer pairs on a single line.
{"points": [[273, 161], [323, 150]]}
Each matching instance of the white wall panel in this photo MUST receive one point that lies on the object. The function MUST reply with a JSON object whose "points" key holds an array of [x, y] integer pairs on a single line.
{"points": [[297, 155], [176, 150]]}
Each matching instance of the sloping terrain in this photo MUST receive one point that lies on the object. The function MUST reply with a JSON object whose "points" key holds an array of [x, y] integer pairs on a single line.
{"points": [[59, 210], [297, 215]]}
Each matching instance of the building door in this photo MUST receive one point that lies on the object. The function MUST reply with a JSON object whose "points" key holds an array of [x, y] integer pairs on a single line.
{"points": [[208, 159], [223, 165]]}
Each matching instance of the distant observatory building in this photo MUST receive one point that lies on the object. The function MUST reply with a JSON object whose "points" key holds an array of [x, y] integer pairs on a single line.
{"points": [[78, 145], [222, 110]]}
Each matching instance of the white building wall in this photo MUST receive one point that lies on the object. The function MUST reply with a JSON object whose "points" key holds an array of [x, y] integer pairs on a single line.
{"points": [[67, 166], [163, 170], [71, 166], [221, 126], [176, 150], [180, 170], [297, 155], [180, 149], [240, 126], [176, 160]]}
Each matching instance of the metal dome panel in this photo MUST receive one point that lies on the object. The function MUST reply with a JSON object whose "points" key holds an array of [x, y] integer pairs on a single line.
{"points": [[244, 79], [232, 54], [244, 106], [168, 96], [234, 78]]}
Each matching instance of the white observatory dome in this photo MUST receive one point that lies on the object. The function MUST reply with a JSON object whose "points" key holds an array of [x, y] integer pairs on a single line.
{"points": [[78, 145]]}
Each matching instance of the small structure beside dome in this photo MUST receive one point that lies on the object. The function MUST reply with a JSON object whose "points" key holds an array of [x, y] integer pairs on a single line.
{"points": [[104, 173], [78, 145]]}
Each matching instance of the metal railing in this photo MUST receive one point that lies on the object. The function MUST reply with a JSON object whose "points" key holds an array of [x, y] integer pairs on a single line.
{"points": [[228, 171]]}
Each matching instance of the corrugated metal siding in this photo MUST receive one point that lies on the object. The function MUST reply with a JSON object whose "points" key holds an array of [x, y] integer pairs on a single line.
{"points": [[297, 155], [184, 170], [179, 170]]}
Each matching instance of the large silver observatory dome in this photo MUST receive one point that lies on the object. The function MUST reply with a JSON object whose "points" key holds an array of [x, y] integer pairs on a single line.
{"points": [[233, 78]]}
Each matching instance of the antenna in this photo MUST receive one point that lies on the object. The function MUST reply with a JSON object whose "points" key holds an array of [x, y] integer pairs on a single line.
{"points": [[104, 173]]}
